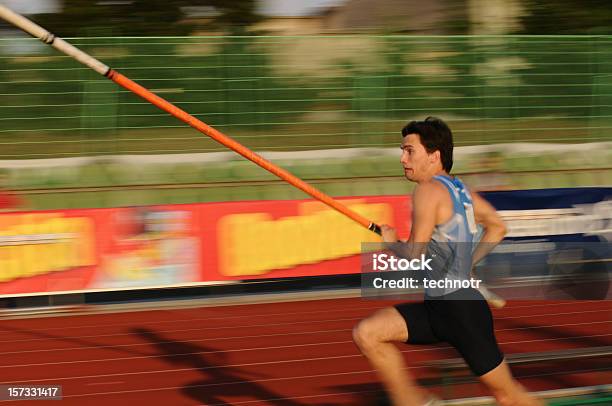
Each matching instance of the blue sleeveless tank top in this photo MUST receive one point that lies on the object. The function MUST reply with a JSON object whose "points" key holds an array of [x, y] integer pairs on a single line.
{"points": [[453, 242]]}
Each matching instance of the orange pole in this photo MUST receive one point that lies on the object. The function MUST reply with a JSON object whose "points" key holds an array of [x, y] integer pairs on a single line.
{"points": [[89, 61], [223, 139]]}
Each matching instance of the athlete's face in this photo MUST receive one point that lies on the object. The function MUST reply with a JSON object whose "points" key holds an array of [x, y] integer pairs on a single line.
{"points": [[418, 164]]}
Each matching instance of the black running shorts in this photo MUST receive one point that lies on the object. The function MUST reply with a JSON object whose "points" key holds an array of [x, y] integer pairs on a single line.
{"points": [[466, 324]]}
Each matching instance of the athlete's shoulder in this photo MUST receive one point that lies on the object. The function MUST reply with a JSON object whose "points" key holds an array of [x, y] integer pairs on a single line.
{"points": [[429, 190]]}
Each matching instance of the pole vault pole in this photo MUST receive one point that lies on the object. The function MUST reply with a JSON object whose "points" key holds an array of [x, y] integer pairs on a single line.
{"points": [[87, 60]]}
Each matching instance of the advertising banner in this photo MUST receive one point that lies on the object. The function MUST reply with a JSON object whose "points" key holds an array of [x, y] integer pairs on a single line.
{"points": [[182, 245], [191, 244], [98, 249]]}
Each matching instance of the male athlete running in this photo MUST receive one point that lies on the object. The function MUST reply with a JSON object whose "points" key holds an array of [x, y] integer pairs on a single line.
{"points": [[445, 216]]}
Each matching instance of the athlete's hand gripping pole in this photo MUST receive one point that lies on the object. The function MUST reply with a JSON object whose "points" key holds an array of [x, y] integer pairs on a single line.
{"points": [[70, 50]]}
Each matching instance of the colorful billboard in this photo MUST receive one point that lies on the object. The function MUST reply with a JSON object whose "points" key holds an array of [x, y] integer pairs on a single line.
{"points": [[181, 245], [195, 244]]}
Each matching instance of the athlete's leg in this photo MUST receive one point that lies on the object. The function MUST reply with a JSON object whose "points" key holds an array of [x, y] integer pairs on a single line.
{"points": [[375, 337], [468, 326], [506, 389]]}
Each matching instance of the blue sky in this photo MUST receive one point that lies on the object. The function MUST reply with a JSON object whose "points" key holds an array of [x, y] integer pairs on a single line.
{"points": [[294, 8], [32, 6]]}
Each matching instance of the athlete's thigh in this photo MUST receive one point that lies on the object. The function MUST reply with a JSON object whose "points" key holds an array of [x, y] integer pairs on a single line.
{"points": [[467, 325], [418, 321]]}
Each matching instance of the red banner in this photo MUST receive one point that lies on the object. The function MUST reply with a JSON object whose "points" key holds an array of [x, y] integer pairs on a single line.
{"points": [[273, 239], [178, 245]]}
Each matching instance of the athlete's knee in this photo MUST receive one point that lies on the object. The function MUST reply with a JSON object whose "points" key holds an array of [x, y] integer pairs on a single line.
{"points": [[381, 327], [364, 335], [368, 334]]}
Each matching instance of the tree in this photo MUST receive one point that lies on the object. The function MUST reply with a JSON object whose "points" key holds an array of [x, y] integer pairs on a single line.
{"points": [[143, 17], [234, 15], [568, 17]]}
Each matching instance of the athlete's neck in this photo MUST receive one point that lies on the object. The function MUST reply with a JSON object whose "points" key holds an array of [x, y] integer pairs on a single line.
{"points": [[440, 172]]}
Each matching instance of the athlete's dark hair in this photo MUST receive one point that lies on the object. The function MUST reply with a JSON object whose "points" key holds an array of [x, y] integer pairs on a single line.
{"points": [[435, 136]]}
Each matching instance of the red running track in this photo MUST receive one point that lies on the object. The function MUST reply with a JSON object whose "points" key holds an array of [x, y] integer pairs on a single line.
{"points": [[289, 353]]}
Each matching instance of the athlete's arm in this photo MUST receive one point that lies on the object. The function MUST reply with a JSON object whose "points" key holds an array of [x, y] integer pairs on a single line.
{"points": [[494, 227], [425, 203]]}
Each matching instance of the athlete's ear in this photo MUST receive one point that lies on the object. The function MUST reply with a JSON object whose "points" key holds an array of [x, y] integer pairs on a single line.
{"points": [[435, 156]]}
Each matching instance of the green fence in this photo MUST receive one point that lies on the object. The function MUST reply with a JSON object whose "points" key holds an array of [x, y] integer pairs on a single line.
{"points": [[292, 93]]}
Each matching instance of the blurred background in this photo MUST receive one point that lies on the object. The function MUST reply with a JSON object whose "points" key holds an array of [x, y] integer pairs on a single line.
{"points": [[93, 176], [321, 87]]}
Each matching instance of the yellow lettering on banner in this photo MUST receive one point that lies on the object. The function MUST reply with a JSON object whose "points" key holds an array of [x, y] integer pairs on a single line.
{"points": [[80, 250], [290, 227], [254, 243], [57, 256], [234, 233], [59, 243], [30, 260], [8, 264]]}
